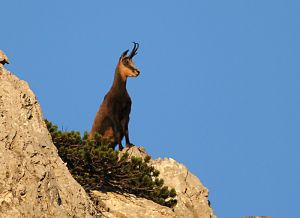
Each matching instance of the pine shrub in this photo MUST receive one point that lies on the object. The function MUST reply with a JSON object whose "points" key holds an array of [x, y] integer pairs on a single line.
{"points": [[98, 167]]}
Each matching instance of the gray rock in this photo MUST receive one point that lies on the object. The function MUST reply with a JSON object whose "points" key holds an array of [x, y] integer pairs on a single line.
{"points": [[134, 152], [192, 196], [34, 181], [115, 205], [256, 217]]}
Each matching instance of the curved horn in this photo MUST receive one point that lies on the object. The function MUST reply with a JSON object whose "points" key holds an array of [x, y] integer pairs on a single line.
{"points": [[135, 48]]}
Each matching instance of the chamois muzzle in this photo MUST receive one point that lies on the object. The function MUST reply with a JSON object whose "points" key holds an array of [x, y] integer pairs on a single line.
{"points": [[137, 72]]}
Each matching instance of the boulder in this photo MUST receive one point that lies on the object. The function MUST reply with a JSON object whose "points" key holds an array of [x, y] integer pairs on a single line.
{"points": [[192, 196]]}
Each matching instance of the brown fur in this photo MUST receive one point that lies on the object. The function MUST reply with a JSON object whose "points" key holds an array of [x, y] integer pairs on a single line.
{"points": [[112, 118]]}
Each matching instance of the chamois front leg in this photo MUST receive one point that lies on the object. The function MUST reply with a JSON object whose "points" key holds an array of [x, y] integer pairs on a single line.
{"points": [[117, 128], [125, 122]]}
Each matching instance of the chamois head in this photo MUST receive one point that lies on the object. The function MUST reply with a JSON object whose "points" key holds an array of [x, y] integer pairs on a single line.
{"points": [[126, 65]]}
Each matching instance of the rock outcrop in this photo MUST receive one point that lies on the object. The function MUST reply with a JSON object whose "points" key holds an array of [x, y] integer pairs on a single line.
{"points": [[34, 181], [192, 196]]}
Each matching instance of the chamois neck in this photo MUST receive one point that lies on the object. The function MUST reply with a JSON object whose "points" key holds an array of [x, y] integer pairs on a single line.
{"points": [[119, 81]]}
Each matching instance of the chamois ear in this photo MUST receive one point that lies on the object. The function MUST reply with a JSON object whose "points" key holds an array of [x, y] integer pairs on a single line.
{"points": [[124, 54]]}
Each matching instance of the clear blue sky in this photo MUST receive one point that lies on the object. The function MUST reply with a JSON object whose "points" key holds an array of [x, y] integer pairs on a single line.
{"points": [[219, 88]]}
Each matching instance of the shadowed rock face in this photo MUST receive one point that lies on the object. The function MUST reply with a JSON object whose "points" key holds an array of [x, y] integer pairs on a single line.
{"points": [[34, 182]]}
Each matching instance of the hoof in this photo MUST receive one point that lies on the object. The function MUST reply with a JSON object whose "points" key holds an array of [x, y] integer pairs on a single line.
{"points": [[120, 147], [129, 145]]}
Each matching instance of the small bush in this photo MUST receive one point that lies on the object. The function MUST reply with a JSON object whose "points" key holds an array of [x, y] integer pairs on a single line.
{"points": [[98, 167]]}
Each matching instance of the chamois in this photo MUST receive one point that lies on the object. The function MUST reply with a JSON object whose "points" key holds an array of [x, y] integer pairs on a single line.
{"points": [[112, 118]]}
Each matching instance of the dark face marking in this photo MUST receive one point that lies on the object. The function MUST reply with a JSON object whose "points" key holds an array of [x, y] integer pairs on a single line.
{"points": [[127, 63]]}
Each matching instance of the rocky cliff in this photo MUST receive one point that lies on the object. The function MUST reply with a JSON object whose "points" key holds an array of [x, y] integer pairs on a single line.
{"points": [[34, 181]]}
